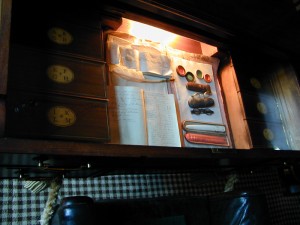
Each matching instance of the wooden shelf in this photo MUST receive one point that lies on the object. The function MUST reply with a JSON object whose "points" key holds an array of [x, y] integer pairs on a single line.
{"points": [[195, 157]]}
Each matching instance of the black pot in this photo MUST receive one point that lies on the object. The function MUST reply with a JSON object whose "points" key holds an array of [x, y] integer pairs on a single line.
{"points": [[75, 210]]}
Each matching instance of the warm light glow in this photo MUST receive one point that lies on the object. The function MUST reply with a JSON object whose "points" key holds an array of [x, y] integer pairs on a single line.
{"points": [[162, 38], [147, 32]]}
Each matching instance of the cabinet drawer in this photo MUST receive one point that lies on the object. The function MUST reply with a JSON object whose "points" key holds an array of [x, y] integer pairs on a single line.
{"points": [[252, 73], [253, 83], [59, 36], [45, 116], [39, 71], [260, 107], [270, 135]]}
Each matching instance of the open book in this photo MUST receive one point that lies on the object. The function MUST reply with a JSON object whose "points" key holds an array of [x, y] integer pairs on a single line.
{"points": [[141, 117]]}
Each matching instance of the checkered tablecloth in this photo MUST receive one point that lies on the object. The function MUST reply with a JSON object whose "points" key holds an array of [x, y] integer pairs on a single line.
{"points": [[18, 205]]}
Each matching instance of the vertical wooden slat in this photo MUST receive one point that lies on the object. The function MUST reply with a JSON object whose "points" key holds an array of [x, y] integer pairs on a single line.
{"points": [[2, 117], [5, 16], [5, 19]]}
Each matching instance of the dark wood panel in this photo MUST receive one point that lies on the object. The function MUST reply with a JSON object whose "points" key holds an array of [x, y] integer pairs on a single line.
{"points": [[40, 71], [55, 34], [268, 24], [261, 108], [81, 159], [80, 148], [5, 18], [2, 116], [48, 116], [268, 135]]}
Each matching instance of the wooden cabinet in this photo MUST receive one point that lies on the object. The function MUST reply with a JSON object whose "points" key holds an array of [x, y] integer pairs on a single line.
{"points": [[256, 93], [57, 76], [53, 96]]}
